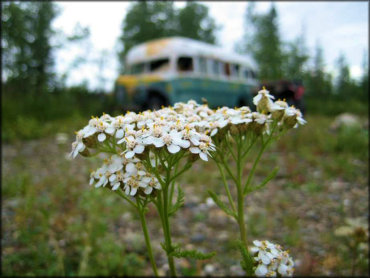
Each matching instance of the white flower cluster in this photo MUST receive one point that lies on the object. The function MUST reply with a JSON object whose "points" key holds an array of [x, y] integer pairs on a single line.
{"points": [[185, 126], [129, 174], [136, 132], [271, 260], [209, 121], [279, 110]]}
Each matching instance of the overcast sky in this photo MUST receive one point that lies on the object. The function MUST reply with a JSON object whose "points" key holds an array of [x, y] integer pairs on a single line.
{"points": [[337, 26]]}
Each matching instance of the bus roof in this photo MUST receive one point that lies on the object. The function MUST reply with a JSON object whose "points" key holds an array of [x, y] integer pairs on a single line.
{"points": [[180, 46]]}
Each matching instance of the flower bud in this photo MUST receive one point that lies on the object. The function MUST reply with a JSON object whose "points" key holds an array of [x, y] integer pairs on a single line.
{"points": [[85, 152], [90, 141], [234, 130], [278, 109]]}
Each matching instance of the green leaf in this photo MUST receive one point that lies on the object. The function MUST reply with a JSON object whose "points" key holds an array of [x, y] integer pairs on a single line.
{"points": [[179, 201], [247, 260], [221, 205], [163, 245], [265, 181], [194, 254]]}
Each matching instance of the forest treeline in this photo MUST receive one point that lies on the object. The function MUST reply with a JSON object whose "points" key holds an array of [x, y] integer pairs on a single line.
{"points": [[28, 45]]}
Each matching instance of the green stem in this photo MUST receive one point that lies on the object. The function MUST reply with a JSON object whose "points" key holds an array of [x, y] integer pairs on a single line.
{"points": [[122, 195], [140, 208], [251, 174], [166, 225], [239, 164], [243, 233], [264, 145], [226, 187], [147, 241], [162, 207]]}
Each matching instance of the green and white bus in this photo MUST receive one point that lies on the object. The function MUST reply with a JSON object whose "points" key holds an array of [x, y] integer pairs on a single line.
{"points": [[169, 70]]}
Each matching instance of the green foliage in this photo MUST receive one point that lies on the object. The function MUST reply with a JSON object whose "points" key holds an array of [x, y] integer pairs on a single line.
{"points": [[179, 201], [221, 205], [27, 116], [26, 46], [262, 41], [295, 58], [350, 139], [195, 22], [290, 60], [247, 260], [332, 106], [270, 176], [194, 254], [146, 21]]}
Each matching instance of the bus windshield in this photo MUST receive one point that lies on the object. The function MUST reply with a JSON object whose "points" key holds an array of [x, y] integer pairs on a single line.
{"points": [[159, 65]]}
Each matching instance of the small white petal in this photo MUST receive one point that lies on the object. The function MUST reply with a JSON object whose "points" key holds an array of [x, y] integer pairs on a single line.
{"points": [[173, 148], [110, 130], [194, 150], [133, 191], [283, 269], [148, 190], [185, 144], [203, 156], [80, 147], [139, 149], [119, 133], [116, 186], [158, 142], [130, 167], [129, 154], [261, 270], [89, 131], [195, 141], [112, 178], [101, 137], [264, 258], [257, 243], [257, 98]]}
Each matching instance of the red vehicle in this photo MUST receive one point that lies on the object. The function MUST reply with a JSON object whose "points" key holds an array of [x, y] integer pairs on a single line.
{"points": [[290, 90]]}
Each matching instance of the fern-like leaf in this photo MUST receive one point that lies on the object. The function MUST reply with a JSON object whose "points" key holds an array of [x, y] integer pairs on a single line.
{"points": [[179, 201], [221, 205], [194, 254], [265, 181], [247, 260]]}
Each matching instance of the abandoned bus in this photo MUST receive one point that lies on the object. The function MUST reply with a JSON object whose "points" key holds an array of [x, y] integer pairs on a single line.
{"points": [[170, 70]]}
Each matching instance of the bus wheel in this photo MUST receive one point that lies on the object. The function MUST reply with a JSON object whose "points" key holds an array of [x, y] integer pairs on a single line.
{"points": [[241, 103], [155, 103]]}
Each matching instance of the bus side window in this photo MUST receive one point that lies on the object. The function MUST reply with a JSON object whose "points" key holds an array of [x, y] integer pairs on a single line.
{"points": [[235, 70], [221, 66], [227, 69], [246, 74], [215, 68], [202, 65], [138, 68], [185, 64], [159, 65], [253, 75]]}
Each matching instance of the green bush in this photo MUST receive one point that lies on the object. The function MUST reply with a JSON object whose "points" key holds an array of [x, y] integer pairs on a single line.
{"points": [[31, 115], [332, 106]]}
